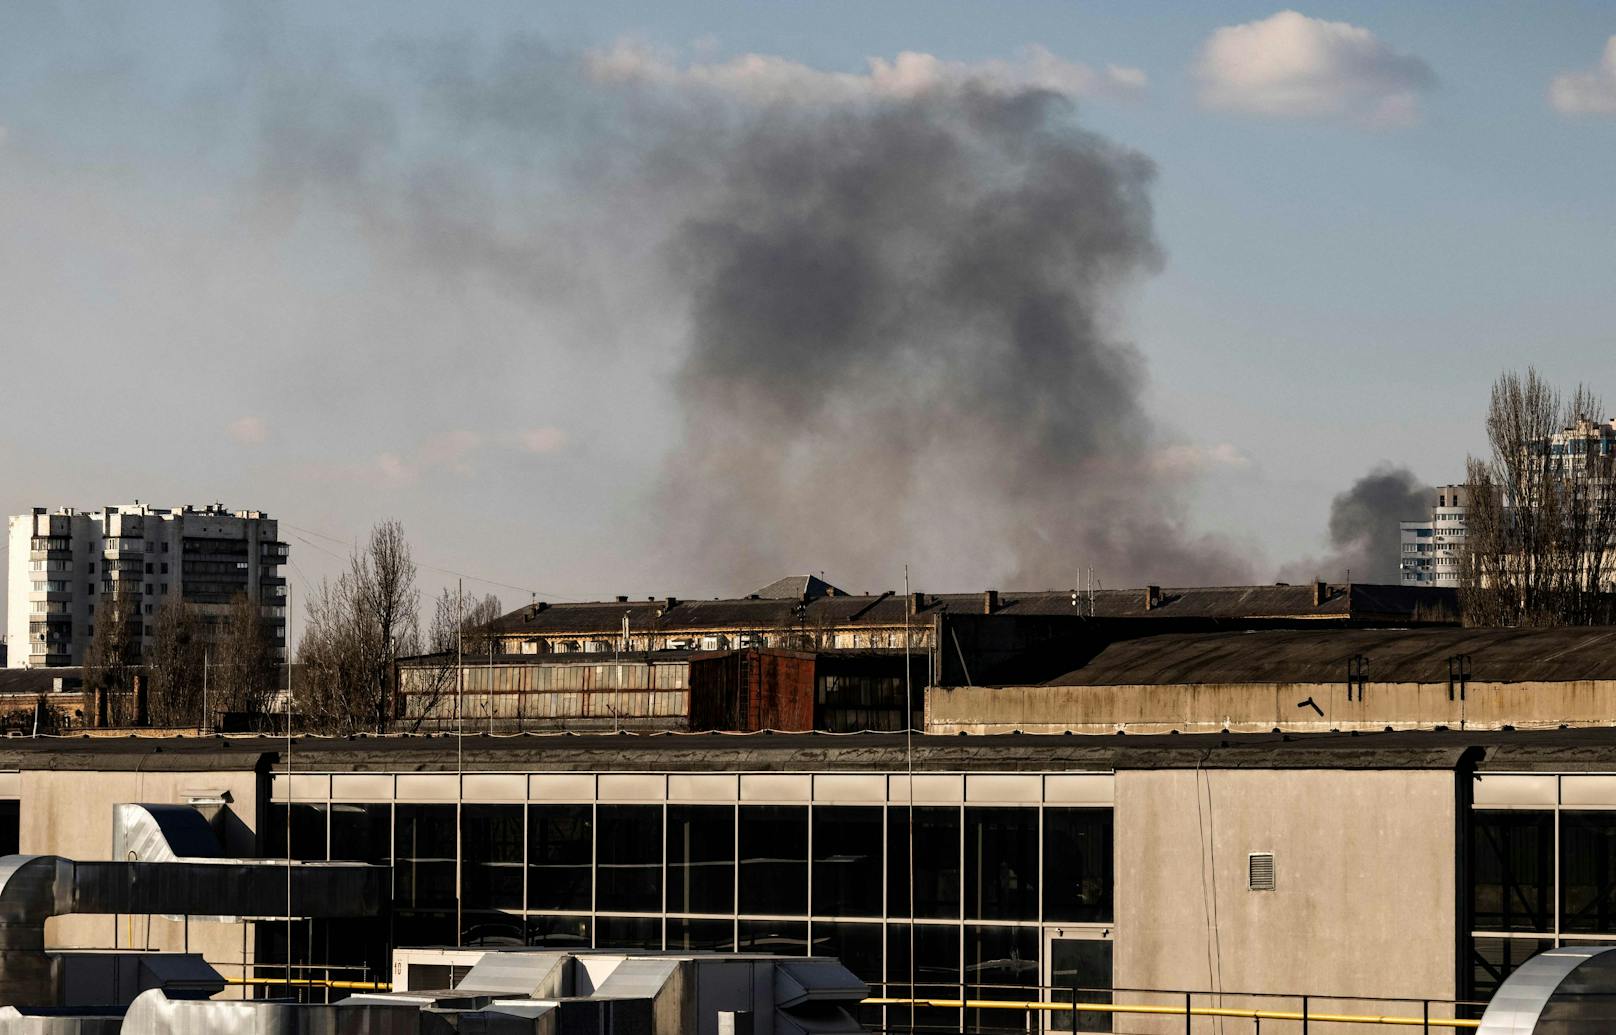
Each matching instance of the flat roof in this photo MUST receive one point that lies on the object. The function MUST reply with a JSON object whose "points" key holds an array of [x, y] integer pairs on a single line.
{"points": [[1321, 656], [1553, 750]]}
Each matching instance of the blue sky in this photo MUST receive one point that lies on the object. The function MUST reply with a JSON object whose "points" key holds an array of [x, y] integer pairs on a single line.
{"points": [[1338, 289]]}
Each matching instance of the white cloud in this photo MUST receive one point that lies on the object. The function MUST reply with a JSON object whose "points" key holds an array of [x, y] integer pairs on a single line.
{"points": [[1293, 66], [542, 440], [769, 79], [248, 431], [1588, 93]]}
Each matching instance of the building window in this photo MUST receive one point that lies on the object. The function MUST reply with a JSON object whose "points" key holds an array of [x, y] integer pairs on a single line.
{"points": [[491, 874], [1001, 863], [362, 833], [628, 932], [424, 875], [1588, 872], [1078, 865], [774, 859], [698, 933], [628, 847], [934, 880], [307, 825], [560, 843], [847, 860], [701, 860], [1512, 856]]}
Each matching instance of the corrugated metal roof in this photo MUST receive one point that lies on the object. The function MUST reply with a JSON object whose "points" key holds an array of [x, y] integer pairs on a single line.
{"points": [[1321, 656], [1405, 603]]}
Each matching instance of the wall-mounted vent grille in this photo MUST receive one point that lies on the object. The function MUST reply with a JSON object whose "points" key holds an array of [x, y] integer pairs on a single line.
{"points": [[1260, 871]]}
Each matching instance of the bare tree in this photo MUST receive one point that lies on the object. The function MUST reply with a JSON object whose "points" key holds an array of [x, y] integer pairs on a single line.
{"points": [[112, 662], [175, 666], [1540, 543], [246, 661], [354, 632], [462, 626]]}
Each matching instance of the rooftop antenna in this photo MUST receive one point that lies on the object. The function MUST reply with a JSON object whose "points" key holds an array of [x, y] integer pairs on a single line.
{"points": [[460, 727], [909, 763]]}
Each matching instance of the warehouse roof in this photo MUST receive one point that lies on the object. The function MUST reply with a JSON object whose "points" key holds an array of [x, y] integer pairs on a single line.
{"points": [[814, 608], [1321, 656]]}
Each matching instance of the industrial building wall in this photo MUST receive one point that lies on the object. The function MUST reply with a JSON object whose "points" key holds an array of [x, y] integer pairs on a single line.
{"points": [[1363, 902], [70, 814], [1262, 707]]}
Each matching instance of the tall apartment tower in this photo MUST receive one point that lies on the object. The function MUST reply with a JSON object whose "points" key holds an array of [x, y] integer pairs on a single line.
{"points": [[65, 562], [1430, 548]]}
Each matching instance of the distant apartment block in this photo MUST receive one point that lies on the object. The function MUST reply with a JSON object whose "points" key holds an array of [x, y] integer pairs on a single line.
{"points": [[1430, 548], [63, 563]]}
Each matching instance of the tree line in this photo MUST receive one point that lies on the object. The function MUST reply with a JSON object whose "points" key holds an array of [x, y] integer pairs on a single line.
{"points": [[355, 629], [1540, 542]]}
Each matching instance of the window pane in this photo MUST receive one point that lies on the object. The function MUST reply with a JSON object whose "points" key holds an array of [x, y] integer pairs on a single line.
{"points": [[858, 946], [1078, 866], [1494, 959], [362, 833], [936, 876], [847, 860], [1001, 864], [10, 824], [781, 937], [424, 845], [308, 831], [774, 859], [628, 932], [687, 934], [491, 850], [560, 843], [1080, 968], [1000, 963], [1511, 870], [628, 843], [936, 974], [1588, 872], [701, 859], [558, 932]]}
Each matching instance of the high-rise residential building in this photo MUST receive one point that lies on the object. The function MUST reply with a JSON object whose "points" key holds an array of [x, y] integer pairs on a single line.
{"points": [[1430, 548], [66, 562]]}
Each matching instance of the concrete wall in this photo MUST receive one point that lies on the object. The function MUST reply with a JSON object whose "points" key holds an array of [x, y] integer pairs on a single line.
{"points": [[1365, 896], [1260, 707], [69, 813]]}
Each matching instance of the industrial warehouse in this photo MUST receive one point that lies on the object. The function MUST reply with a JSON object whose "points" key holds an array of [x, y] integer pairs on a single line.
{"points": [[1211, 864]]}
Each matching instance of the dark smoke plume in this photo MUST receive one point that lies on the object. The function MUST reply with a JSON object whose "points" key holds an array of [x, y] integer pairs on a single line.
{"points": [[1364, 537], [898, 339], [898, 350]]}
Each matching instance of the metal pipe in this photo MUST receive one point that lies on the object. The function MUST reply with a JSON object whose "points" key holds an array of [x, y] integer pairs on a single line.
{"points": [[1178, 1011]]}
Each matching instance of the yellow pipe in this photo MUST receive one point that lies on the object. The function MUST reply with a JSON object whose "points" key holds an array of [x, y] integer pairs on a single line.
{"points": [[367, 986], [1178, 1011]]}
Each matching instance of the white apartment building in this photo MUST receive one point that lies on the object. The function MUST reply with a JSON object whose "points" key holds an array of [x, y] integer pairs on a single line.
{"points": [[64, 562], [1430, 548]]}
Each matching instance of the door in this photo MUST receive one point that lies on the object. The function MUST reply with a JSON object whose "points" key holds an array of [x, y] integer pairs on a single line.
{"points": [[1077, 964]]}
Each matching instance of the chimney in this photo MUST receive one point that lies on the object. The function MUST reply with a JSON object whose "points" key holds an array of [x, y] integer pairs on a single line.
{"points": [[1321, 592], [990, 601], [917, 601], [1152, 597], [621, 599], [670, 603]]}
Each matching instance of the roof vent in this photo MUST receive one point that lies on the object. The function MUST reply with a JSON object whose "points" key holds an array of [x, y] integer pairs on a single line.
{"points": [[1260, 871]]}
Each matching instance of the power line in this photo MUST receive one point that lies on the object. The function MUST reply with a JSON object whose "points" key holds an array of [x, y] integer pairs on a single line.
{"points": [[432, 567]]}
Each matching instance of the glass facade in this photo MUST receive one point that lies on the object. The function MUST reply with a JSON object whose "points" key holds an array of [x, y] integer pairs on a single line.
{"points": [[1538, 878], [789, 878]]}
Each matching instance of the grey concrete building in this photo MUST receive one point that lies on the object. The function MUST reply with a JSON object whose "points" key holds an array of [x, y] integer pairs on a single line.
{"points": [[1236, 869], [64, 563]]}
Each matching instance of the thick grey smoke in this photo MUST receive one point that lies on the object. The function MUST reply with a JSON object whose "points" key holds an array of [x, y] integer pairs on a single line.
{"points": [[1364, 537], [868, 323], [898, 348]]}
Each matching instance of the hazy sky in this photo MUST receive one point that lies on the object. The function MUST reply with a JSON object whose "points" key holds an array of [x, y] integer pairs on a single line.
{"points": [[475, 267]]}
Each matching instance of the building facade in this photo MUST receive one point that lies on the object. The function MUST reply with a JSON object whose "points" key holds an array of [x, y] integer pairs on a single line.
{"points": [[1431, 547], [1238, 869], [65, 563]]}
